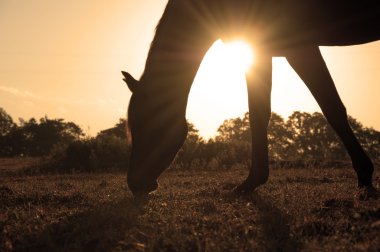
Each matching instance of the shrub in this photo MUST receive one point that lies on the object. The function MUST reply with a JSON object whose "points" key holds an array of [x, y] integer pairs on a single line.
{"points": [[103, 153]]}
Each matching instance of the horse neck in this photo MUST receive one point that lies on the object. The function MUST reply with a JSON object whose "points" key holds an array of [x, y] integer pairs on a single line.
{"points": [[180, 42]]}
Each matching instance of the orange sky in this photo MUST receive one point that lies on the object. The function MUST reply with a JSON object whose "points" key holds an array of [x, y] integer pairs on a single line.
{"points": [[63, 59]]}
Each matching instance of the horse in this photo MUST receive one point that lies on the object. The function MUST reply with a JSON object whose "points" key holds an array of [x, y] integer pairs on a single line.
{"points": [[290, 28]]}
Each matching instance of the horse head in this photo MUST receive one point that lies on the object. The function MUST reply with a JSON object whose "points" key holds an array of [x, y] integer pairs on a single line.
{"points": [[156, 131]]}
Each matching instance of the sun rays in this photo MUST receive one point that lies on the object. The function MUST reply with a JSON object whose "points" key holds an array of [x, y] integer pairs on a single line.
{"points": [[219, 89], [239, 54]]}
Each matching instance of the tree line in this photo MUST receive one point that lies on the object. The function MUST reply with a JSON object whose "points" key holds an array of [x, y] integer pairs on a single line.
{"points": [[303, 138]]}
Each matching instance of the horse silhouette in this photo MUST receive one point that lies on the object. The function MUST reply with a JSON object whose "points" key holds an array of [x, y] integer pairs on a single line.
{"points": [[290, 28]]}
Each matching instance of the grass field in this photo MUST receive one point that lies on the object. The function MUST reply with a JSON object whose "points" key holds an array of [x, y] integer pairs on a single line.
{"points": [[297, 210]]}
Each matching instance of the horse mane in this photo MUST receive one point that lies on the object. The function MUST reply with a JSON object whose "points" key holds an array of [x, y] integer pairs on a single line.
{"points": [[162, 23]]}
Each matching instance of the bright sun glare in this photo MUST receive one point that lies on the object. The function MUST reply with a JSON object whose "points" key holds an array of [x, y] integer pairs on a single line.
{"points": [[219, 89], [240, 53]]}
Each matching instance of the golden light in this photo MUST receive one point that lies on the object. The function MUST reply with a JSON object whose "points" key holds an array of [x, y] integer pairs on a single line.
{"points": [[239, 53], [219, 90]]}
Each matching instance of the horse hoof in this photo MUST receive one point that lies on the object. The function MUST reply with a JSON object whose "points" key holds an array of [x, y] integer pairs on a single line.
{"points": [[144, 191], [243, 189], [141, 198], [367, 193], [247, 187]]}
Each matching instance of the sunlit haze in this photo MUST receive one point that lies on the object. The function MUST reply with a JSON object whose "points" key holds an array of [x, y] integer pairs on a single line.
{"points": [[219, 90], [63, 59], [237, 52]]}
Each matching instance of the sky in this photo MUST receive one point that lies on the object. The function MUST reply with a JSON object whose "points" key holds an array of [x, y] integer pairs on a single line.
{"points": [[63, 59]]}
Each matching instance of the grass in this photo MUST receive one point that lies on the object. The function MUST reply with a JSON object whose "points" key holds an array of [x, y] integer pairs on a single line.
{"points": [[297, 210]]}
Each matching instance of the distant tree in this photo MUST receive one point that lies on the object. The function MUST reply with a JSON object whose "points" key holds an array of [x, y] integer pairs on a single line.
{"points": [[372, 143], [52, 131], [313, 137], [20, 140], [368, 137], [119, 130], [6, 123], [236, 129], [192, 149], [6, 127], [109, 150], [193, 135], [34, 138], [280, 138], [232, 143]]}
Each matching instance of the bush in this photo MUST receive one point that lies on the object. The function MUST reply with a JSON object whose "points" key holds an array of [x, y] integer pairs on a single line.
{"points": [[109, 153], [103, 153]]}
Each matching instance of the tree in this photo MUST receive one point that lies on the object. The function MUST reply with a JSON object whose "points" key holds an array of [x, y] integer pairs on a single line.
{"points": [[237, 129], [34, 138], [6, 127], [192, 149], [280, 139], [50, 132], [119, 130], [372, 143], [6, 123], [314, 138]]}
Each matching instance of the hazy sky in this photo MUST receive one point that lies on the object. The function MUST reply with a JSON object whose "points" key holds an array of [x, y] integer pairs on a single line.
{"points": [[63, 59]]}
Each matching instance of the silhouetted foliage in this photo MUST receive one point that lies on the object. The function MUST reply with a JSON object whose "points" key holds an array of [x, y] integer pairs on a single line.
{"points": [[236, 129], [280, 139], [119, 130], [300, 140], [6, 123], [314, 138], [6, 127], [32, 138], [107, 151], [192, 150]]}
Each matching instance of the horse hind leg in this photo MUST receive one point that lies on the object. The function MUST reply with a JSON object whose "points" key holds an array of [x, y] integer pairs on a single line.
{"points": [[310, 66], [259, 84]]}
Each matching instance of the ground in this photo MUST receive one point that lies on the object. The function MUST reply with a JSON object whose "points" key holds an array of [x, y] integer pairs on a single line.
{"points": [[311, 209]]}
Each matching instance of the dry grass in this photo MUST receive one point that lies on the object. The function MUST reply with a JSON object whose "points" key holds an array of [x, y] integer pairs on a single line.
{"points": [[10, 166], [298, 210]]}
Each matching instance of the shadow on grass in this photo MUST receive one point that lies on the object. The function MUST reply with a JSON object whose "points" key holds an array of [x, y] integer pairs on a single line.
{"points": [[275, 227], [99, 229]]}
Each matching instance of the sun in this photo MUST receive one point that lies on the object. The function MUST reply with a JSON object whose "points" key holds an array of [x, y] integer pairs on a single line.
{"points": [[219, 90], [239, 53]]}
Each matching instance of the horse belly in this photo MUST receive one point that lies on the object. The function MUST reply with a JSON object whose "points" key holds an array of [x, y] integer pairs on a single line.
{"points": [[357, 23], [295, 22]]}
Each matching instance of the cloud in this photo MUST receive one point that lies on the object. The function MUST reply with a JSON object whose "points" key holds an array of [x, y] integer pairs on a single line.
{"points": [[27, 94], [20, 93]]}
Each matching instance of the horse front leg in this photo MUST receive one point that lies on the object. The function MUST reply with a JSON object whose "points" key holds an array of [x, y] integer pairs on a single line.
{"points": [[259, 86], [310, 66]]}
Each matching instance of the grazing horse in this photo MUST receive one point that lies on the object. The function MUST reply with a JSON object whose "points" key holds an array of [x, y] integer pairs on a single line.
{"points": [[290, 28]]}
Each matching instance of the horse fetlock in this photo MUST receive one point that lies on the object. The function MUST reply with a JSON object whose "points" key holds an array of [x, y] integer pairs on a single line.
{"points": [[367, 193], [364, 170], [140, 185], [365, 178], [251, 183]]}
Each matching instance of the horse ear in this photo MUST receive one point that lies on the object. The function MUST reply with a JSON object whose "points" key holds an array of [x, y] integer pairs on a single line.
{"points": [[132, 83]]}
